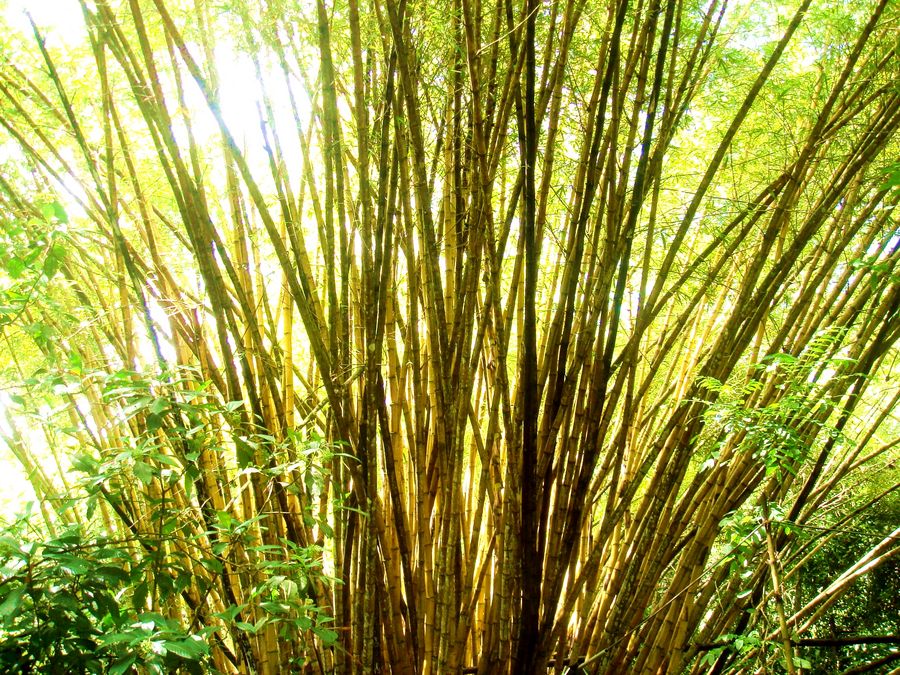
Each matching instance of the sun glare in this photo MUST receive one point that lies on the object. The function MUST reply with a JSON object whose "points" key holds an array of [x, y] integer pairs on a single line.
{"points": [[60, 18], [16, 489]]}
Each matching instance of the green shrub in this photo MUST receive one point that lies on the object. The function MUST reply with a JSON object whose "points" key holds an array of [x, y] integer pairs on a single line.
{"points": [[67, 606]]}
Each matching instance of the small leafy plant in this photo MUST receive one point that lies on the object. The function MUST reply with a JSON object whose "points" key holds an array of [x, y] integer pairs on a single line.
{"points": [[67, 606]]}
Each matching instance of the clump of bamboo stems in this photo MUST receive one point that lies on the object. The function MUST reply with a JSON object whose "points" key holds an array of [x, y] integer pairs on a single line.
{"points": [[482, 286]]}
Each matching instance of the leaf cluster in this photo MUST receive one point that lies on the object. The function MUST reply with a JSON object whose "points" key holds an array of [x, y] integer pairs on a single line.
{"points": [[67, 605]]}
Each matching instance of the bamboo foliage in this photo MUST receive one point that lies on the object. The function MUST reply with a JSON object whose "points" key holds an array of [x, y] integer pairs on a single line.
{"points": [[551, 338]]}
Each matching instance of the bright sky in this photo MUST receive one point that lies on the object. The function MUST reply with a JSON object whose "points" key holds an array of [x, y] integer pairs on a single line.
{"points": [[61, 21], [62, 18], [15, 490]]}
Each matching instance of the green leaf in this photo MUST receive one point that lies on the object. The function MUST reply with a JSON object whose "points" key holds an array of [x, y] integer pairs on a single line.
{"points": [[53, 261], [70, 563], [229, 614], [85, 464], [166, 459], [15, 267], [112, 574], [327, 635], [245, 452], [190, 649], [116, 638], [779, 358], [144, 472], [10, 547], [54, 210], [139, 596], [224, 519], [892, 177], [12, 602], [159, 406], [75, 361], [122, 666], [212, 565], [154, 422]]}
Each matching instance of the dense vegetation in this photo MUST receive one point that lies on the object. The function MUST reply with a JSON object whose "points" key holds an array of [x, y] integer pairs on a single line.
{"points": [[451, 336]]}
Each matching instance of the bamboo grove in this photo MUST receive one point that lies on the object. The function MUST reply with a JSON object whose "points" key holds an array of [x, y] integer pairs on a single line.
{"points": [[500, 317]]}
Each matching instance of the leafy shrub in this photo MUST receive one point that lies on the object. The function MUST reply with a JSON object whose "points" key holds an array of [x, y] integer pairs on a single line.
{"points": [[66, 606]]}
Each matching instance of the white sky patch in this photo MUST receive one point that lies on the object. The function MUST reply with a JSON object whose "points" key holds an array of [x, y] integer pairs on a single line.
{"points": [[15, 490], [241, 97], [240, 90], [5, 403], [61, 19]]}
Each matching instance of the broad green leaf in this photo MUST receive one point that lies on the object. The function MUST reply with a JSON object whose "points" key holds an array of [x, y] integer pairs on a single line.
{"points": [[229, 614], [144, 472], [122, 666], [71, 563], [12, 602], [15, 267], [327, 635], [188, 649], [245, 452], [54, 260], [54, 210]]}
